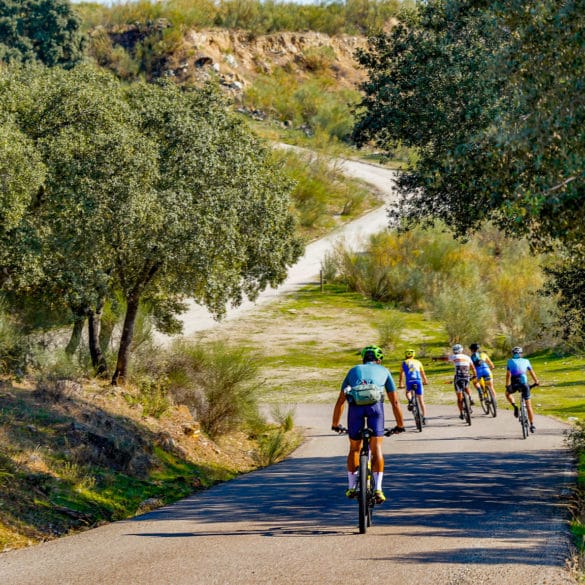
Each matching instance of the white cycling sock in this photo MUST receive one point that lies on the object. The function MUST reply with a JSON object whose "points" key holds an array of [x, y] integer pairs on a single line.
{"points": [[352, 479], [378, 475]]}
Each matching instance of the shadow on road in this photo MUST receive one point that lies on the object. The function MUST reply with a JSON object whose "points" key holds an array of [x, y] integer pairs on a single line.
{"points": [[515, 497]]}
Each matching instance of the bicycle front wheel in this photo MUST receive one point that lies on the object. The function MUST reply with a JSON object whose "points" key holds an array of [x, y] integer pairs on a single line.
{"points": [[466, 408], [484, 397], [363, 494], [493, 404]]}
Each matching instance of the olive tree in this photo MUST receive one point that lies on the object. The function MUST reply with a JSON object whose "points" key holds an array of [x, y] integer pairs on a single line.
{"points": [[490, 97], [48, 31], [151, 192]]}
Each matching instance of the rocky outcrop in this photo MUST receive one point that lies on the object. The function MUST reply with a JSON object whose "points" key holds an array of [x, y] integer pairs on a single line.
{"points": [[238, 57]]}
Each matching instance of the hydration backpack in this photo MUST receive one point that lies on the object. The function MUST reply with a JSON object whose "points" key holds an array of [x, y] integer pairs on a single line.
{"points": [[364, 394]]}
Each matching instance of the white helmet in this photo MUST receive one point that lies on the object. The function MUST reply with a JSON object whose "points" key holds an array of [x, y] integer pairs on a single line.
{"points": [[457, 348]]}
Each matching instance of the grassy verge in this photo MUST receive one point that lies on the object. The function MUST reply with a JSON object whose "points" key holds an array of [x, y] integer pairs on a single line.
{"points": [[75, 459], [320, 335]]}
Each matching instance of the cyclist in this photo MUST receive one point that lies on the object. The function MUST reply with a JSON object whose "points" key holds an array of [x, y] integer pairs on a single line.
{"points": [[412, 376], [369, 372], [517, 380], [463, 366], [483, 366]]}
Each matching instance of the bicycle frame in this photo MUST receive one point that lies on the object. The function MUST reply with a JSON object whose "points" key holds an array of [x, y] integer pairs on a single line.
{"points": [[523, 411], [416, 407], [365, 489], [487, 398], [462, 386], [365, 483]]}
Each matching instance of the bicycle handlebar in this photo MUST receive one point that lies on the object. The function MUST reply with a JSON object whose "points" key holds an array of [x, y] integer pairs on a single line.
{"points": [[529, 385], [341, 430]]}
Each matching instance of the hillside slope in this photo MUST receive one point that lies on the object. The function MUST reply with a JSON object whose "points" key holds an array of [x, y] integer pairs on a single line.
{"points": [[238, 57]]}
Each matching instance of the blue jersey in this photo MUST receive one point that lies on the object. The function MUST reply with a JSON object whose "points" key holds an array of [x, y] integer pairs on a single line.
{"points": [[518, 367], [370, 373]]}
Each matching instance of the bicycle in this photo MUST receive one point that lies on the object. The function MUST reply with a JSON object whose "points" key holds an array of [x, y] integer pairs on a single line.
{"points": [[365, 482], [523, 411], [416, 407], [460, 385], [487, 397]]}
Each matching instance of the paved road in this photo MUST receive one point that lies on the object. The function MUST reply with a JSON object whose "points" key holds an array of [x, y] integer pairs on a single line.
{"points": [[306, 270], [466, 505]]}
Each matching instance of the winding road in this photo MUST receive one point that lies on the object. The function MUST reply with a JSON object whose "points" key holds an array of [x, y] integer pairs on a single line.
{"points": [[466, 505], [306, 270]]}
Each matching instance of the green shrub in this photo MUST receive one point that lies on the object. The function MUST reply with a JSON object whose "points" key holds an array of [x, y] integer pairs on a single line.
{"points": [[575, 438], [318, 58], [321, 191], [272, 447], [485, 289], [464, 314], [57, 364], [217, 382], [389, 329], [329, 267], [153, 396], [283, 416], [256, 16]]}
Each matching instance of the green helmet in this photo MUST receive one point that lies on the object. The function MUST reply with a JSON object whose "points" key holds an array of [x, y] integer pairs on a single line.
{"points": [[372, 353]]}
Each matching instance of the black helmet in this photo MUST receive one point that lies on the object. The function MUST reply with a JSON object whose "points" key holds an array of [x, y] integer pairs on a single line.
{"points": [[474, 347]]}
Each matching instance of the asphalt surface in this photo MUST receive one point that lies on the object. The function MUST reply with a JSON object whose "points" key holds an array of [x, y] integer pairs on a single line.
{"points": [[466, 505]]}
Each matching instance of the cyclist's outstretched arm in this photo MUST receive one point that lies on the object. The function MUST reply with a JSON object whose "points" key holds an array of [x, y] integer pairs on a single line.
{"points": [[396, 410], [533, 375], [338, 409]]}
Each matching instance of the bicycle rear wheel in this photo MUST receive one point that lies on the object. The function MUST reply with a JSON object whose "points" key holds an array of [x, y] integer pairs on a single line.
{"points": [[493, 403], [523, 419], [417, 413], [371, 499], [466, 408], [363, 503]]}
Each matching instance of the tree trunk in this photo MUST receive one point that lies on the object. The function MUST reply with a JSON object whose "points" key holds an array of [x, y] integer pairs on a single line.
{"points": [[126, 339], [98, 359], [75, 339], [106, 331]]}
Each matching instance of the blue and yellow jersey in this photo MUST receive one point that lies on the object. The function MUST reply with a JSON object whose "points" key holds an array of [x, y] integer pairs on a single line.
{"points": [[480, 359], [412, 370]]}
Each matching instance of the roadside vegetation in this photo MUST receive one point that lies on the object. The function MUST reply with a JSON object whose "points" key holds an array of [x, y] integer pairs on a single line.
{"points": [[77, 452], [349, 17]]}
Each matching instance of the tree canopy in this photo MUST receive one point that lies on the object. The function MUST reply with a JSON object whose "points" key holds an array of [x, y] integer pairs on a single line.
{"points": [[48, 31], [148, 191], [490, 96]]}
